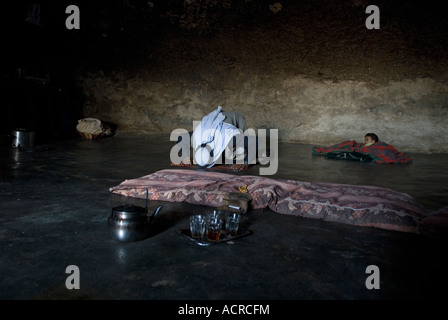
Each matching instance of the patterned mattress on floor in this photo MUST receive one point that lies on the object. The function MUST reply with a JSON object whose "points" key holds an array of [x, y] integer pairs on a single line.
{"points": [[352, 204]]}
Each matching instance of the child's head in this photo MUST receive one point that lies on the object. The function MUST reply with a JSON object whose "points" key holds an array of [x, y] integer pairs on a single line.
{"points": [[371, 138]]}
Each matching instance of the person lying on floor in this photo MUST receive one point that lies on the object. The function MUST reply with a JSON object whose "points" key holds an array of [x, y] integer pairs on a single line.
{"points": [[372, 150], [221, 138], [370, 139]]}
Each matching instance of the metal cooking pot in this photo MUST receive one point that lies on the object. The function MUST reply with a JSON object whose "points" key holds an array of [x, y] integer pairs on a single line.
{"points": [[22, 138], [131, 223]]}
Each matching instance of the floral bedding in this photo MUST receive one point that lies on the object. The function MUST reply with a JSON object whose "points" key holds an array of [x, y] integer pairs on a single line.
{"points": [[352, 204]]}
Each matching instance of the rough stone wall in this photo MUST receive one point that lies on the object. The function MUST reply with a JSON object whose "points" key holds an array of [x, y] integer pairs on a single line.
{"points": [[410, 114], [311, 70]]}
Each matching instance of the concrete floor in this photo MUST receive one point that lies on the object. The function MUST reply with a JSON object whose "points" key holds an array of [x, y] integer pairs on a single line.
{"points": [[55, 201]]}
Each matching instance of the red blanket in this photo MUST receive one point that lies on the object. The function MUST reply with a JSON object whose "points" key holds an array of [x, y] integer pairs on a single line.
{"points": [[380, 152], [352, 204]]}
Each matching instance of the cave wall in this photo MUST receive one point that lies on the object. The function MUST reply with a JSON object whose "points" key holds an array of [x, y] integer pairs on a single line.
{"points": [[410, 114], [318, 81]]}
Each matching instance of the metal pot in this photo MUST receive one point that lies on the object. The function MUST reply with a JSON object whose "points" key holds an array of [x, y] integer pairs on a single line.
{"points": [[131, 223], [22, 138]]}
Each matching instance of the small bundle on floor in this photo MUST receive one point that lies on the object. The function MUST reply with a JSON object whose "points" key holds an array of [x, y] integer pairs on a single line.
{"points": [[236, 202]]}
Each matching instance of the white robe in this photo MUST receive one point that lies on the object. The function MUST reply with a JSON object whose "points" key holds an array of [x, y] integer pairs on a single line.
{"points": [[210, 152]]}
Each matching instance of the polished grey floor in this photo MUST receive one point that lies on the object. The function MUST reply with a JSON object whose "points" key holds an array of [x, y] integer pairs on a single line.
{"points": [[55, 201]]}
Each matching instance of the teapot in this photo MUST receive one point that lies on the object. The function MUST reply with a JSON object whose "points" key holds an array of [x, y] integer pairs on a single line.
{"points": [[130, 222]]}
